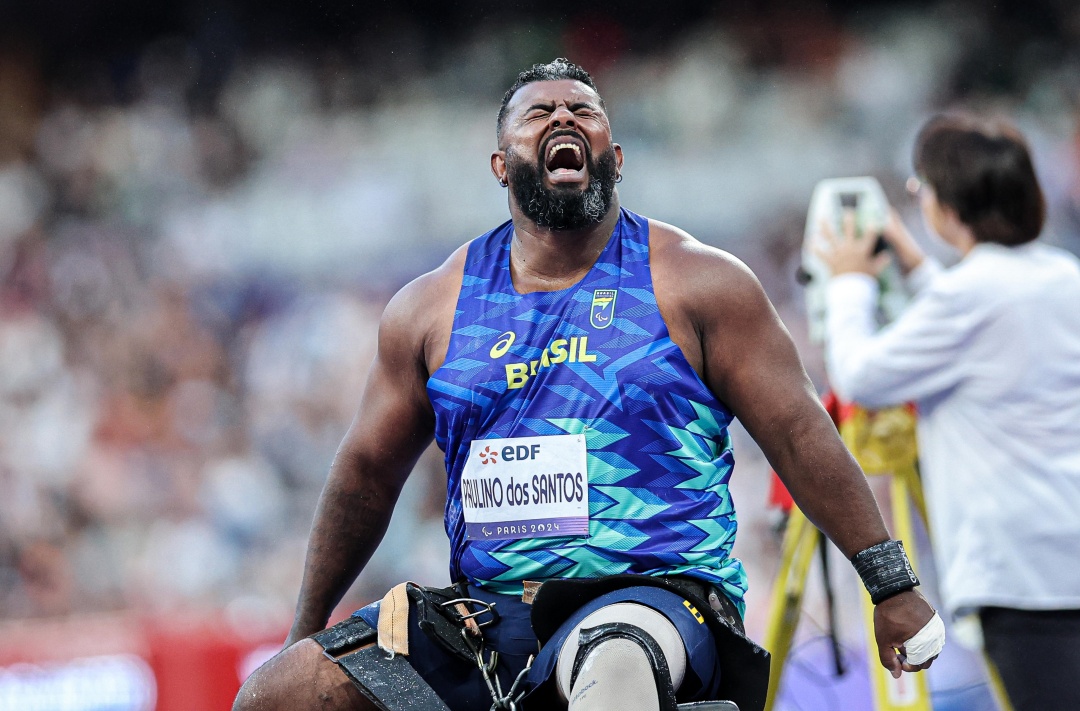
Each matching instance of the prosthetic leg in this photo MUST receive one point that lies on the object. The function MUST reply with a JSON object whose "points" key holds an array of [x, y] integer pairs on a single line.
{"points": [[625, 656]]}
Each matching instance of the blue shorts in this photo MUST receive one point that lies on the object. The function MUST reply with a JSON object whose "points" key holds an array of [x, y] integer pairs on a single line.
{"points": [[462, 686]]}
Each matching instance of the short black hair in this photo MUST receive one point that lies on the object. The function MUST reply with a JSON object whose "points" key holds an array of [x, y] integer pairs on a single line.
{"points": [[556, 69], [983, 170]]}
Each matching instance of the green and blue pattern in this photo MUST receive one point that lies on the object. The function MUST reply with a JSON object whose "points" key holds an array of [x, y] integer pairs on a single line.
{"points": [[577, 361]]}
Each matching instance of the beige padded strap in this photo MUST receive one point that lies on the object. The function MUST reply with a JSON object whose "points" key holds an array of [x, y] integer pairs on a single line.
{"points": [[394, 621]]}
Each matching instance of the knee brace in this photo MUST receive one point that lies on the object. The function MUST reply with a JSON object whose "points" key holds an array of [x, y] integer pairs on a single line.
{"points": [[622, 656]]}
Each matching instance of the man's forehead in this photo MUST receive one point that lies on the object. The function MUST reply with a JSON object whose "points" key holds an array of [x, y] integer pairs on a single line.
{"points": [[570, 91]]}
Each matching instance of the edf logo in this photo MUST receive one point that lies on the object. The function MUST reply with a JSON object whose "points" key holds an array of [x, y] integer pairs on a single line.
{"points": [[519, 452]]}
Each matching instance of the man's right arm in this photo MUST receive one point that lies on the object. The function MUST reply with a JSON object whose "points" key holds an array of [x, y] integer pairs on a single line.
{"points": [[392, 427]]}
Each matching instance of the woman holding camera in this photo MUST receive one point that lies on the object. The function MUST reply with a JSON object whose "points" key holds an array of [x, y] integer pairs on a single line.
{"points": [[989, 350]]}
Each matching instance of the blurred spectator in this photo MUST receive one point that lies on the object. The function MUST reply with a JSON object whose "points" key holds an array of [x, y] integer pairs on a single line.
{"points": [[197, 235]]}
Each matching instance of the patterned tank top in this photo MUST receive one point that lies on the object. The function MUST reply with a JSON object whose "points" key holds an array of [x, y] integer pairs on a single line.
{"points": [[638, 455]]}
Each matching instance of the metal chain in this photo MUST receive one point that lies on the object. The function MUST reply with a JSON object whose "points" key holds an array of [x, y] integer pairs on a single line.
{"points": [[501, 702], [474, 640]]}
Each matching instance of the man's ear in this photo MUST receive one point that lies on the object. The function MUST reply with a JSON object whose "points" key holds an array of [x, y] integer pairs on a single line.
{"points": [[498, 166], [618, 158]]}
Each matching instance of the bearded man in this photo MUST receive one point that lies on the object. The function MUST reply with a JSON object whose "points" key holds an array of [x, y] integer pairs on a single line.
{"points": [[579, 366]]}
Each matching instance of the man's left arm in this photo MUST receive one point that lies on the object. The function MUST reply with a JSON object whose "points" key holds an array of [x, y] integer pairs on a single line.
{"points": [[751, 364]]}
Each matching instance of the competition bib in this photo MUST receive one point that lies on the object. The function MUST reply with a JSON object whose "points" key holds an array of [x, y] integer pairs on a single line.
{"points": [[526, 487]]}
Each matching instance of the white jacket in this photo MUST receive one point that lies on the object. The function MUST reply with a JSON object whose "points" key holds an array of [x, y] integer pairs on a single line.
{"points": [[989, 351]]}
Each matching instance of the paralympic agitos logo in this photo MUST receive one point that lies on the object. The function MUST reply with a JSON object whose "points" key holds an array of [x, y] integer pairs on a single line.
{"points": [[562, 350]]}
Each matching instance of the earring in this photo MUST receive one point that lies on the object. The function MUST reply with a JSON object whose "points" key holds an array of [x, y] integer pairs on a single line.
{"points": [[502, 183], [618, 178]]}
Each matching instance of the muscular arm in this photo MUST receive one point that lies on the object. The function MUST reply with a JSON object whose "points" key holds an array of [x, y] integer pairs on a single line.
{"points": [[720, 316], [392, 427], [752, 365]]}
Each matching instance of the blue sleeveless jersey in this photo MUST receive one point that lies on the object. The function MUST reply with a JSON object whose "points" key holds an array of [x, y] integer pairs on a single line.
{"points": [[595, 359]]}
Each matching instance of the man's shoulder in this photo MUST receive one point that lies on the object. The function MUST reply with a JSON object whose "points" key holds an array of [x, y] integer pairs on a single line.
{"points": [[682, 262], [419, 304]]}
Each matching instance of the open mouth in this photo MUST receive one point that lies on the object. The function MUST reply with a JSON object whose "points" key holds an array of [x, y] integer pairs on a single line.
{"points": [[564, 157]]}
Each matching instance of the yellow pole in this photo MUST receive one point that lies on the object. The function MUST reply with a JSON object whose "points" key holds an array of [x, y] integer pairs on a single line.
{"points": [[796, 554], [909, 692]]}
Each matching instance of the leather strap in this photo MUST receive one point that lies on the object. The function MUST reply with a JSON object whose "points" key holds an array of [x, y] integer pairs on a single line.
{"points": [[348, 634], [390, 683]]}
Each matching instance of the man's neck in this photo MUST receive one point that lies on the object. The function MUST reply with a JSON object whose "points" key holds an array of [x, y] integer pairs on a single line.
{"points": [[543, 259]]}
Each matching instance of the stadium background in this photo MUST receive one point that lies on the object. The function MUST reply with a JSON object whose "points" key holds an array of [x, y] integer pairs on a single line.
{"points": [[204, 206]]}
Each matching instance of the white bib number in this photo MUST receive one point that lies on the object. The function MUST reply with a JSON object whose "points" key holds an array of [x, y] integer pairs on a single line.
{"points": [[526, 487]]}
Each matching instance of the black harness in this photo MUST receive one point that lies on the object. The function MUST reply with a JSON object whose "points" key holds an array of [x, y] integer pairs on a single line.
{"points": [[455, 622]]}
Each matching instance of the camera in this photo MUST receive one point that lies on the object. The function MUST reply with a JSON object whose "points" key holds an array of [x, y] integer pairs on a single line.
{"points": [[839, 202]]}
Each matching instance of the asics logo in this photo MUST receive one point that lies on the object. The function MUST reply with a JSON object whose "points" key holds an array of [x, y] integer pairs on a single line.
{"points": [[502, 345]]}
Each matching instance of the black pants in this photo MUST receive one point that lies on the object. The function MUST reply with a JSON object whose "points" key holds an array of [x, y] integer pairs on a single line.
{"points": [[1037, 654]]}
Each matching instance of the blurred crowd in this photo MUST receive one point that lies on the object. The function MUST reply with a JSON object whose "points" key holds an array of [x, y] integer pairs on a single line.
{"points": [[192, 271]]}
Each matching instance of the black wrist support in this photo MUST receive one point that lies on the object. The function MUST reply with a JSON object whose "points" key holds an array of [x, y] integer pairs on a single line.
{"points": [[885, 570]]}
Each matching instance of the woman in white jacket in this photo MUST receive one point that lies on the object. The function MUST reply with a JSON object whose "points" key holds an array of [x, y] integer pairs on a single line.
{"points": [[989, 350]]}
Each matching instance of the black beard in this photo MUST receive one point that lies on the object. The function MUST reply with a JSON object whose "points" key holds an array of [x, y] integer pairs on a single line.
{"points": [[563, 208]]}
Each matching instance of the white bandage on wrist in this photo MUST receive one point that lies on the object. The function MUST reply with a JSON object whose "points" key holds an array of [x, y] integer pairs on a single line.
{"points": [[927, 642]]}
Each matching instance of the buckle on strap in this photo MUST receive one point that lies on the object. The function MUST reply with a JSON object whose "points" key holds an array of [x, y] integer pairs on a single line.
{"points": [[472, 619], [450, 618], [474, 615], [465, 613]]}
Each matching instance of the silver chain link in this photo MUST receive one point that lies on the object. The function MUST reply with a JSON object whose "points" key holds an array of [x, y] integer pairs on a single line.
{"points": [[501, 702]]}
